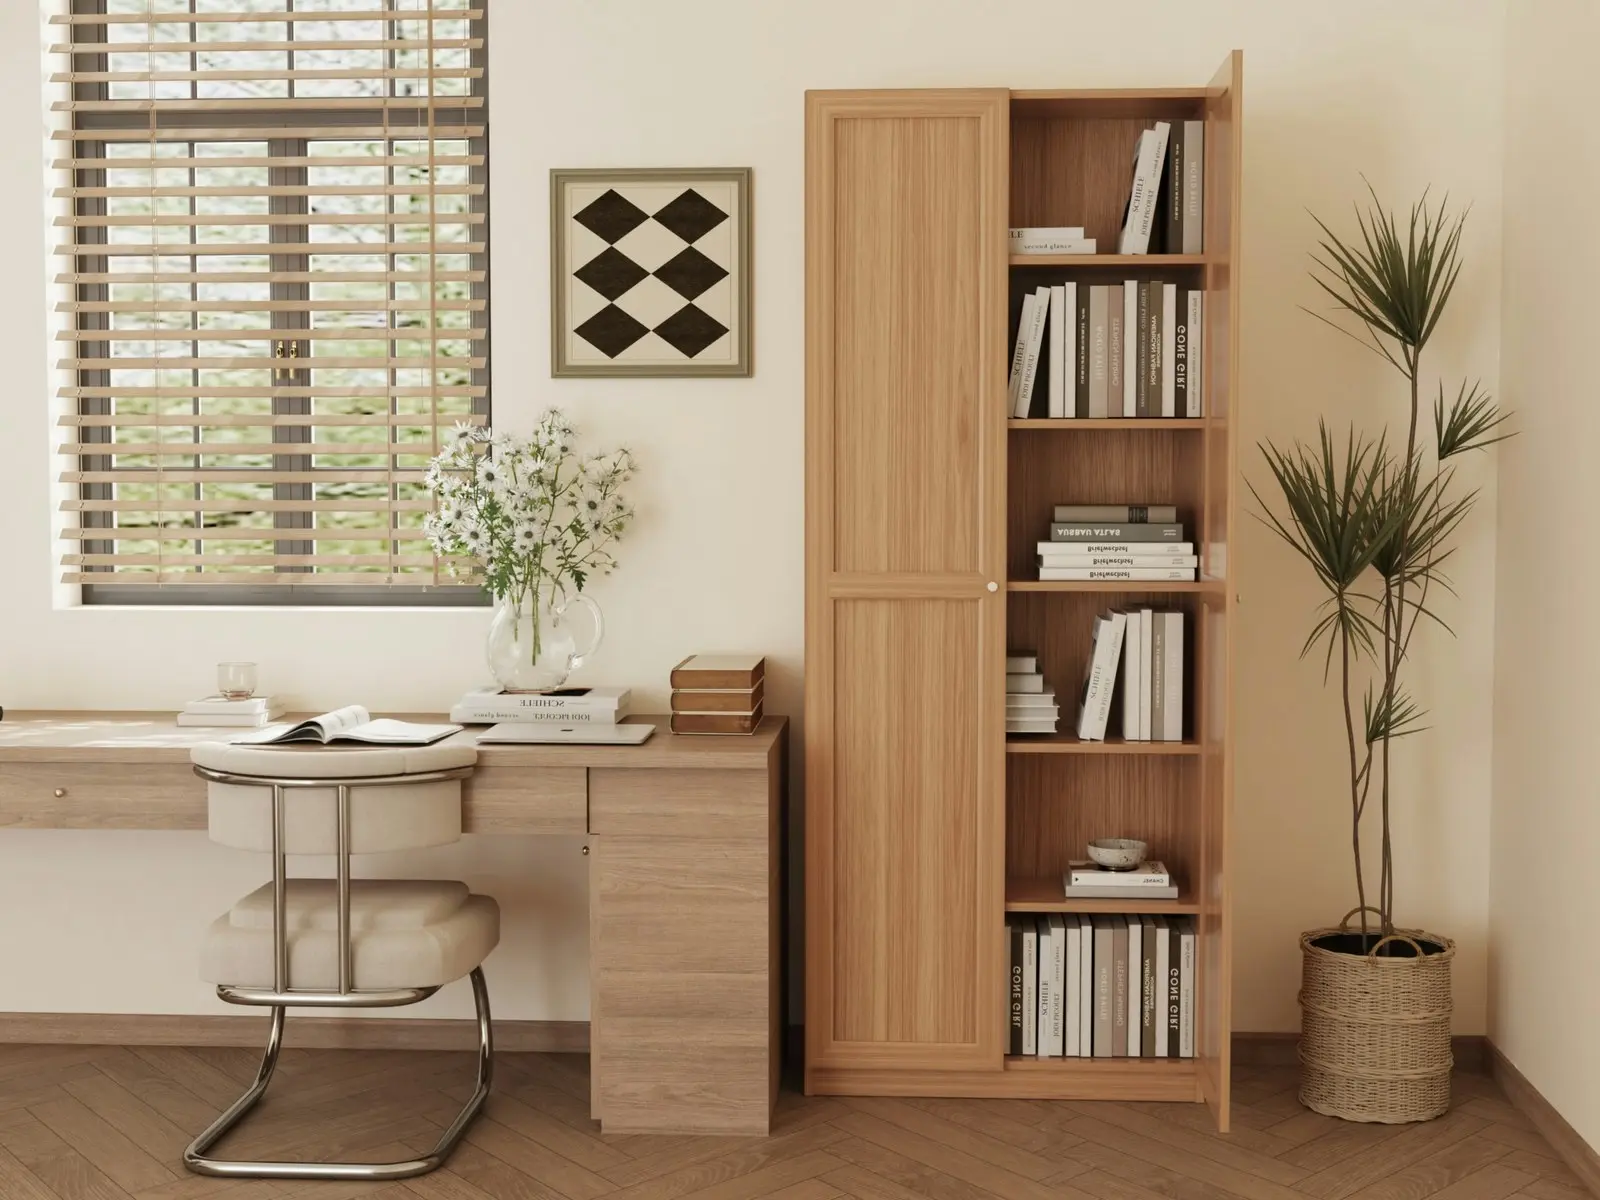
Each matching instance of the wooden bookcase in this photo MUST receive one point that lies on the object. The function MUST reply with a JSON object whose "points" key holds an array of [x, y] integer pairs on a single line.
{"points": [[924, 824]]}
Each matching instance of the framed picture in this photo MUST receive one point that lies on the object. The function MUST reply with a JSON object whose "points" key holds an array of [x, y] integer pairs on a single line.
{"points": [[650, 272]]}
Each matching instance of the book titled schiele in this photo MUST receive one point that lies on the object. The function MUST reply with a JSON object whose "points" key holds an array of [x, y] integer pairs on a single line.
{"points": [[349, 724], [573, 705]]}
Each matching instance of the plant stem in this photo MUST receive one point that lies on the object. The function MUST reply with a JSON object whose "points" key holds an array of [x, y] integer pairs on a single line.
{"points": [[1355, 792]]}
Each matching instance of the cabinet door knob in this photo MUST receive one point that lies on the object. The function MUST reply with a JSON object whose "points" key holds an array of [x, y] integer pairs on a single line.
{"points": [[60, 792], [586, 850], [993, 586]]}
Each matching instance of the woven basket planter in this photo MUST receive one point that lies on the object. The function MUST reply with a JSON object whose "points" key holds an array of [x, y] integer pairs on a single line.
{"points": [[1375, 1029]]}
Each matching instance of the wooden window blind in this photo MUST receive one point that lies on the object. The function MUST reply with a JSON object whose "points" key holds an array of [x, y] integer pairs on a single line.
{"points": [[274, 237]]}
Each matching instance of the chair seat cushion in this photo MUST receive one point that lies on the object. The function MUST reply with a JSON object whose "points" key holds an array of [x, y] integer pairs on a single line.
{"points": [[404, 933]]}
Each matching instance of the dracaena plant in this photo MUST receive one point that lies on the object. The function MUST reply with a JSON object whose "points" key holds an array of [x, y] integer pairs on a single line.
{"points": [[1375, 517]]}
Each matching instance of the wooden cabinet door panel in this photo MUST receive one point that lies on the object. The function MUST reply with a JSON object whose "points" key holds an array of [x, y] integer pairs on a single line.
{"points": [[906, 262]]}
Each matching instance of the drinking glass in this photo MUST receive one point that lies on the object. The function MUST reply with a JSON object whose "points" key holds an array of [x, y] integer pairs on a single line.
{"points": [[236, 680]]}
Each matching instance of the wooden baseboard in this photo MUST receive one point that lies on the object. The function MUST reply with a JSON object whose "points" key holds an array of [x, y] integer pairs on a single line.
{"points": [[1282, 1050], [319, 1033], [1568, 1143]]}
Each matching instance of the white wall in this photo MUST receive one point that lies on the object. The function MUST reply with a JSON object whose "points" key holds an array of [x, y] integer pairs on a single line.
{"points": [[1546, 828], [1408, 94]]}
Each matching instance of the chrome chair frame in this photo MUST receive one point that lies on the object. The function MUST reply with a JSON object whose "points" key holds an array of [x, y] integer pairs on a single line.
{"points": [[282, 994]]}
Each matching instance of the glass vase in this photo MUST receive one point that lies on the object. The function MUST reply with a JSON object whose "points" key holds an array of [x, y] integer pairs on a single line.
{"points": [[534, 643]]}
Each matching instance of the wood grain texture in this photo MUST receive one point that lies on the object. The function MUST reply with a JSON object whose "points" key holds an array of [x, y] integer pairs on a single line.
{"points": [[680, 803], [323, 1033], [905, 534]]}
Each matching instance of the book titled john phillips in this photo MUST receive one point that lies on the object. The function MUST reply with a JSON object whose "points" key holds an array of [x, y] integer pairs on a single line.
{"points": [[567, 706]]}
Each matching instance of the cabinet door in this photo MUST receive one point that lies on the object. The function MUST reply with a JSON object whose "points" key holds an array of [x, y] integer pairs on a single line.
{"points": [[905, 586]]}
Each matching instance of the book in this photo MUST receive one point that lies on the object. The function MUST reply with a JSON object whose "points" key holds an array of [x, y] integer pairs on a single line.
{"points": [[1022, 713], [717, 700], [1169, 329], [349, 724], [1088, 892], [1196, 373], [1023, 701], [1135, 965], [1052, 246], [741, 723], [1171, 193], [229, 720], [1141, 355], [1113, 574], [1054, 1013], [1132, 670], [1079, 402], [1163, 957], [1072, 988], [1119, 987], [221, 706], [1030, 987], [1114, 315], [1154, 363], [1104, 957], [1043, 725], [1100, 675], [1186, 988], [1019, 352], [1024, 233], [1146, 549], [1130, 348], [1194, 187], [1056, 390], [1172, 707], [1099, 350], [719, 671], [1138, 514], [1147, 621], [1022, 684], [1118, 531], [1180, 355], [581, 705], [1149, 157], [1085, 986], [1158, 678], [1147, 989], [1119, 560], [1030, 359], [1174, 985], [1014, 933], [1046, 953], [1147, 874], [1021, 664]]}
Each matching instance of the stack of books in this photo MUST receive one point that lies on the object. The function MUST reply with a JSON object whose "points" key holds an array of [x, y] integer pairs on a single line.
{"points": [[1143, 648], [218, 712], [1090, 881], [1137, 543], [1130, 349], [1101, 987], [1050, 239], [718, 693], [1030, 705], [1166, 197], [563, 706]]}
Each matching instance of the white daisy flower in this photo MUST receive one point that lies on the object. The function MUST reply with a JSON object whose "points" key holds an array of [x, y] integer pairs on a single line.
{"points": [[489, 473], [525, 539], [462, 434]]}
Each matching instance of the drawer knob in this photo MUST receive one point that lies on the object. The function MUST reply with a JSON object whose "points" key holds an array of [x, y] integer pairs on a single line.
{"points": [[586, 850], [60, 792]]}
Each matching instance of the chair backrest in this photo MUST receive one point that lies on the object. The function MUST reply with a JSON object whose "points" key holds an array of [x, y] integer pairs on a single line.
{"points": [[393, 815]]}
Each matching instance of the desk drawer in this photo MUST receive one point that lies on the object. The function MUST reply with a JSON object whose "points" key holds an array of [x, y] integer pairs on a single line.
{"points": [[101, 796], [526, 800]]}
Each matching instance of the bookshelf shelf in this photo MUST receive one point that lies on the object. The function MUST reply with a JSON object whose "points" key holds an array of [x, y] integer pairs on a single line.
{"points": [[1108, 424], [1044, 896], [1131, 262], [1067, 742], [1113, 586]]}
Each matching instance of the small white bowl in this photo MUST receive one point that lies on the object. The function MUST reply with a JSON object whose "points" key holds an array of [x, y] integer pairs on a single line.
{"points": [[1118, 854]]}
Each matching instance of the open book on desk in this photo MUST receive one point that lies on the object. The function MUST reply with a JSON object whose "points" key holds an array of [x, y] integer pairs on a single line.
{"points": [[349, 724]]}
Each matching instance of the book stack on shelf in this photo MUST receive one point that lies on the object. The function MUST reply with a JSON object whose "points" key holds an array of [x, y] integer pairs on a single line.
{"points": [[1166, 198], [718, 693], [562, 706], [1147, 646], [1086, 880], [1030, 705], [1102, 986], [219, 712], [1051, 239], [1129, 349], [1138, 543]]}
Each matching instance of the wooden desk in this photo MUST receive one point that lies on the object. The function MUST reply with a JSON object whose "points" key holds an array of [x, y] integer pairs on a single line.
{"points": [[683, 837]]}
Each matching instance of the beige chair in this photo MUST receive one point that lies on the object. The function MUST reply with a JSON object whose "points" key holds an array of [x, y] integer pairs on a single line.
{"points": [[341, 942]]}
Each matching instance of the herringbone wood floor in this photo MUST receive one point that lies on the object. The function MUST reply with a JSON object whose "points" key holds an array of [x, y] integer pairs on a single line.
{"points": [[110, 1123]]}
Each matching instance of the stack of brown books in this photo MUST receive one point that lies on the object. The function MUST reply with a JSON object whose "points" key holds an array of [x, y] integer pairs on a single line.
{"points": [[717, 693]]}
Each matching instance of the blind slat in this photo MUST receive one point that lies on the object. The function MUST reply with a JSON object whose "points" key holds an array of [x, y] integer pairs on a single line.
{"points": [[244, 475], [265, 392], [135, 192], [264, 362], [250, 578], [395, 130], [285, 104], [143, 306], [392, 12], [227, 75], [174, 162], [267, 45], [207, 449], [255, 560], [267, 219], [168, 533], [378, 333]]}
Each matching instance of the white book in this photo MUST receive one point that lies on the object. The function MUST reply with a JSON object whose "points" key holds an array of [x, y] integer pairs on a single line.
{"points": [[1032, 712], [1112, 574], [1163, 959], [1194, 186], [1046, 957], [563, 700], [1163, 550], [1058, 985], [1130, 348], [221, 706], [499, 714], [1057, 389], [1135, 971], [1047, 725], [1147, 623], [1030, 988], [1086, 987], [1186, 989], [1045, 232], [1072, 989], [229, 720], [1022, 664], [1065, 559], [1098, 348], [1030, 361], [1025, 700], [1019, 353], [349, 724], [1132, 668], [1051, 245], [1149, 159], [1109, 631], [1147, 874], [1023, 683], [1172, 728], [1197, 341], [1169, 343]]}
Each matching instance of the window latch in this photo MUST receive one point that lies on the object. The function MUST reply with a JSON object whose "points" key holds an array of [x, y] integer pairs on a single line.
{"points": [[284, 350]]}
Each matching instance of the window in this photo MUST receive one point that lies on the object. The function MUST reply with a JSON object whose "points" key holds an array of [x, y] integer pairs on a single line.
{"points": [[275, 243]]}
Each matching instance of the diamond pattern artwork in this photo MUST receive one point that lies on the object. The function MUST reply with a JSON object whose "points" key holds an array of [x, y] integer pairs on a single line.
{"points": [[650, 272]]}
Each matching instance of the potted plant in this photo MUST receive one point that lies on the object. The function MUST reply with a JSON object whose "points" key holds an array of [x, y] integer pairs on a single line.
{"points": [[534, 521], [1375, 519]]}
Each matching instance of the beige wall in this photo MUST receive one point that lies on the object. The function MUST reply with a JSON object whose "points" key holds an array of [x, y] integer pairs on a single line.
{"points": [[1545, 891], [1408, 94]]}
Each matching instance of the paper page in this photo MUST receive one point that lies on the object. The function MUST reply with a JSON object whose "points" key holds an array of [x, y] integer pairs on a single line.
{"points": [[341, 720], [386, 731]]}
